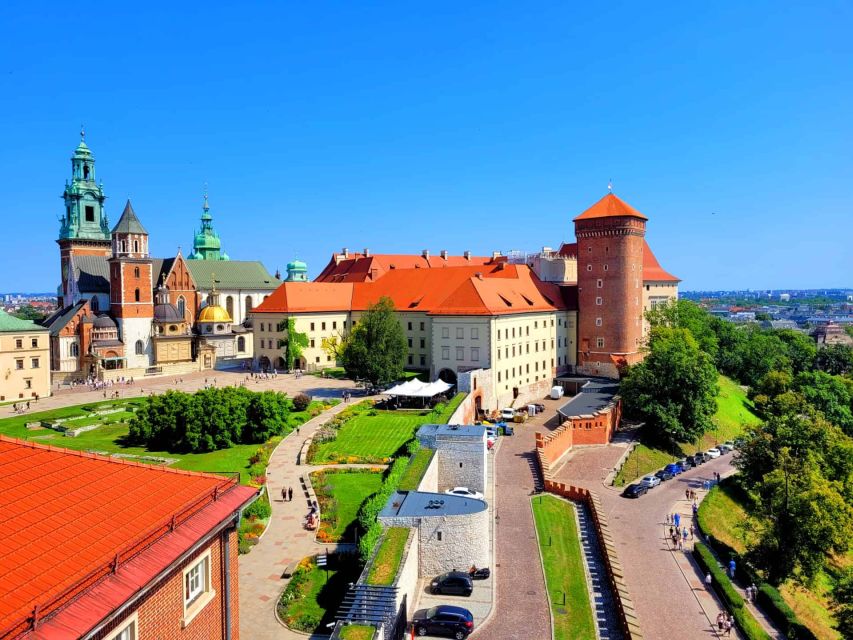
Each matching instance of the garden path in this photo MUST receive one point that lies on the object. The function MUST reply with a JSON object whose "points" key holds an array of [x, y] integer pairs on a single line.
{"points": [[285, 540]]}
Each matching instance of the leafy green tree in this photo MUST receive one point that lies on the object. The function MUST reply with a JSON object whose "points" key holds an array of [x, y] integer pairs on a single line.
{"points": [[294, 344], [829, 395], [761, 353], [842, 596], [730, 341], [802, 350], [674, 389], [376, 348], [29, 312], [266, 416], [685, 314], [805, 518], [836, 359]]}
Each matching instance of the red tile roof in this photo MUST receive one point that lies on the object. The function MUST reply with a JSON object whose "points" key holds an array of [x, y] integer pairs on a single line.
{"points": [[68, 515], [610, 207], [357, 267], [489, 289], [652, 271]]}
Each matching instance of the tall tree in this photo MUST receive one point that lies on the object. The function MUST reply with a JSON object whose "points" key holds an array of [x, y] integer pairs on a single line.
{"points": [[802, 350], [376, 348], [685, 314], [836, 359], [294, 344], [673, 390]]}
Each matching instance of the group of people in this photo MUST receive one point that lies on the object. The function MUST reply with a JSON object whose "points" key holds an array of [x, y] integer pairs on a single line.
{"points": [[21, 407], [725, 622], [679, 536]]}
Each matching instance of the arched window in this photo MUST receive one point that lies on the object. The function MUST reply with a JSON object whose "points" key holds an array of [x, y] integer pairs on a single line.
{"points": [[136, 295], [182, 306], [95, 304], [75, 350], [135, 272], [85, 172], [123, 245], [229, 306], [140, 348], [248, 304], [136, 248], [241, 344]]}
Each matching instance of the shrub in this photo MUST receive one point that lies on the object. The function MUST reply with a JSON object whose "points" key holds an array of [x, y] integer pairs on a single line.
{"points": [[778, 610], [259, 509], [301, 401]]}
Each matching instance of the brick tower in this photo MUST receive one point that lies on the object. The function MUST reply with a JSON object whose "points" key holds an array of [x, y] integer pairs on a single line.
{"points": [[84, 230], [131, 288], [610, 237]]}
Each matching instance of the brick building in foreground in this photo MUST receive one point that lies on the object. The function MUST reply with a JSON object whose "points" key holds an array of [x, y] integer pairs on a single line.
{"points": [[100, 549]]}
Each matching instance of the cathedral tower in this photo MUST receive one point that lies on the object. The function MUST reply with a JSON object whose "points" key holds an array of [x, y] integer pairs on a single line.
{"points": [[131, 287], [206, 244], [84, 229], [610, 237]]}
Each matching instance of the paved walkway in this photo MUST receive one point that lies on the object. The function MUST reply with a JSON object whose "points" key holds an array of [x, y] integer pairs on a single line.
{"points": [[284, 541], [521, 609], [604, 611]]}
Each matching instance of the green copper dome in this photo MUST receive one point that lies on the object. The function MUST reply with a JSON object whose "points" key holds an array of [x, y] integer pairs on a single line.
{"points": [[297, 271], [206, 244]]}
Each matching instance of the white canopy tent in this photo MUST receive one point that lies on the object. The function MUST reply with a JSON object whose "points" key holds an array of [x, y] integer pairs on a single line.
{"points": [[418, 389]]}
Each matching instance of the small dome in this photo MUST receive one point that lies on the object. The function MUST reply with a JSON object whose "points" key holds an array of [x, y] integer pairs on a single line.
{"points": [[297, 265], [213, 313], [104, 322], [167, 313]]}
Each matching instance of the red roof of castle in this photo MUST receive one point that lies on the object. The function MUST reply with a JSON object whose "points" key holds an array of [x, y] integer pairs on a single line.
{"points": [[610, 206], [68, 515], [652, 271], [489, 289], [357, 267]]}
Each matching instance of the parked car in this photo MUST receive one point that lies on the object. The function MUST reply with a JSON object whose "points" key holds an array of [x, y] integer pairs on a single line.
{"points": [[673, 468], [664, 475], [635, 490], [726, 446], [686, 463], [738, 443], [507, 413], [650, 481], [539, 407], [444, 620], [453, 583], [714, 453], [465, 492], [508, 430], [700, 457]]}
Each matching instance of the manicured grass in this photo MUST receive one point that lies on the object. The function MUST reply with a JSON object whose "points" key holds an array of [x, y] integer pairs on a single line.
{"points": [[110, 437], [313, 595], [564, 571], [415, 471], [340, 493], [733, 412], [371, 438], [385, 565], [721, 515], [357, 632]]}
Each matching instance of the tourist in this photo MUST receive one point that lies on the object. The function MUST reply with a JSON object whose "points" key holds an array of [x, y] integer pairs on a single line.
{"points": [[754, 591], [283, 494], [290, 494], [732, 568], [692, 530], [721, 620], [708, 579]]}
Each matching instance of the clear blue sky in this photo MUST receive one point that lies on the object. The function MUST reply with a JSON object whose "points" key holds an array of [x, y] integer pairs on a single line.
{"points": [[460, 125]]}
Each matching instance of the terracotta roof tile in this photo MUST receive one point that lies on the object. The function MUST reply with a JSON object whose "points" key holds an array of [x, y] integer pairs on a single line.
{"points": [[652, 271], [610, 207], [68, 513], [360, 268]]}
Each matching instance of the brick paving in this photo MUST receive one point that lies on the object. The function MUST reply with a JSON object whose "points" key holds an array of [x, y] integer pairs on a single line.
{"points": [[606, 623]]}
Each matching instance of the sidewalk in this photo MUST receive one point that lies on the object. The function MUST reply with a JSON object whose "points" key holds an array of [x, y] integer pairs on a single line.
{"points": [[707, 598], [284, 541]]}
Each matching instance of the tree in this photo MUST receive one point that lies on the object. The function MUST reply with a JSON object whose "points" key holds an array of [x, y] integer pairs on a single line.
{"points": [[802, 350], [293, 344], [685, 314], [805, 518], [829, 395], [842, 597], [29, 312], [836, 359], [376, 348], [674, 389]]}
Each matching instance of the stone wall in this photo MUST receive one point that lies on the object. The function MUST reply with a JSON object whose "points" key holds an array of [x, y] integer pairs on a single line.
{"points": [[407, 575], [461, 464], [625, 610]]}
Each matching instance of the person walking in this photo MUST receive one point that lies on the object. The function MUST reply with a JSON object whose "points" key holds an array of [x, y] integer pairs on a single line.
{"points": [[728, 626], [284, 494], [677, 520], [708, 579], [692, 530], [732, 567], [721, 620], [290, 494]]}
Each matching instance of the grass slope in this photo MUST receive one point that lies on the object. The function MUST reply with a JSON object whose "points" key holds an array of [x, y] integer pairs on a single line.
{"points": [[733, 412], [564, 570], [721, 514], [340, 494], [383, 571]]}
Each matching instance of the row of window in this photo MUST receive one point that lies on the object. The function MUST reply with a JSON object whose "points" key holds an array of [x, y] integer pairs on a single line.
{"points": [[460, 332], [460, 353], [506, 373], [19, 343], [422, 360], [34, 363]]}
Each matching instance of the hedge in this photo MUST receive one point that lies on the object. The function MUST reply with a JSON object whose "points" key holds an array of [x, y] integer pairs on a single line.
{"points": [[750, 627], [370, 508], [778, 610]]}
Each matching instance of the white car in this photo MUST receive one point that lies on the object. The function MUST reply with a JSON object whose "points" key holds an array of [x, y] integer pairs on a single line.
{"points": [[507, 414], [464, 492], [650, 481], [714, 453]]}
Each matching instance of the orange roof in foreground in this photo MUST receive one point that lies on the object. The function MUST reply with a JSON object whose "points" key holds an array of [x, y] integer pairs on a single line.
{"points": [[67, 514], [491, 289], [652, 271], [357, 267], [610, 207]]}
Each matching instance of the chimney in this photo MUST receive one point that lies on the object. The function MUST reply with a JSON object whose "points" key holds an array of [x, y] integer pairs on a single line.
{"points": [[444, 254], [496, 255], [425, 254], [345, 251], [478, 275], [467, 255], [367, 253]]}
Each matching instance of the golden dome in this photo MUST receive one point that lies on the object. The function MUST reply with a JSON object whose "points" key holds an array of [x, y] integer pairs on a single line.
{"points": [[213, 313]]}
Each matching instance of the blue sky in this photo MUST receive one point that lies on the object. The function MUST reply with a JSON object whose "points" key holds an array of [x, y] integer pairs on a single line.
{"points": [[402, 126]]}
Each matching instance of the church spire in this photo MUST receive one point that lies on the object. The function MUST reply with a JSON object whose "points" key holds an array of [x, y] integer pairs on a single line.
{"points": [[84, 217], [206, 244]]}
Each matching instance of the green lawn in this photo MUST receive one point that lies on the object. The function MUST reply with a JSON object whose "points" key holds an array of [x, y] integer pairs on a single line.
{"points": [[733, 412], [415, 471], [387, 561], [369, 438], [357, 632], [564, 570], [109, 438], [313, 595], [340, 493], [720, 515]]}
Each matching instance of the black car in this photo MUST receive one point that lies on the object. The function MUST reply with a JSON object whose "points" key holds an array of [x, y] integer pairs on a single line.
{"points": [[663, 474], [444, 620], [695, 461], [687, 463], [635, 490], [453, 583]]}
